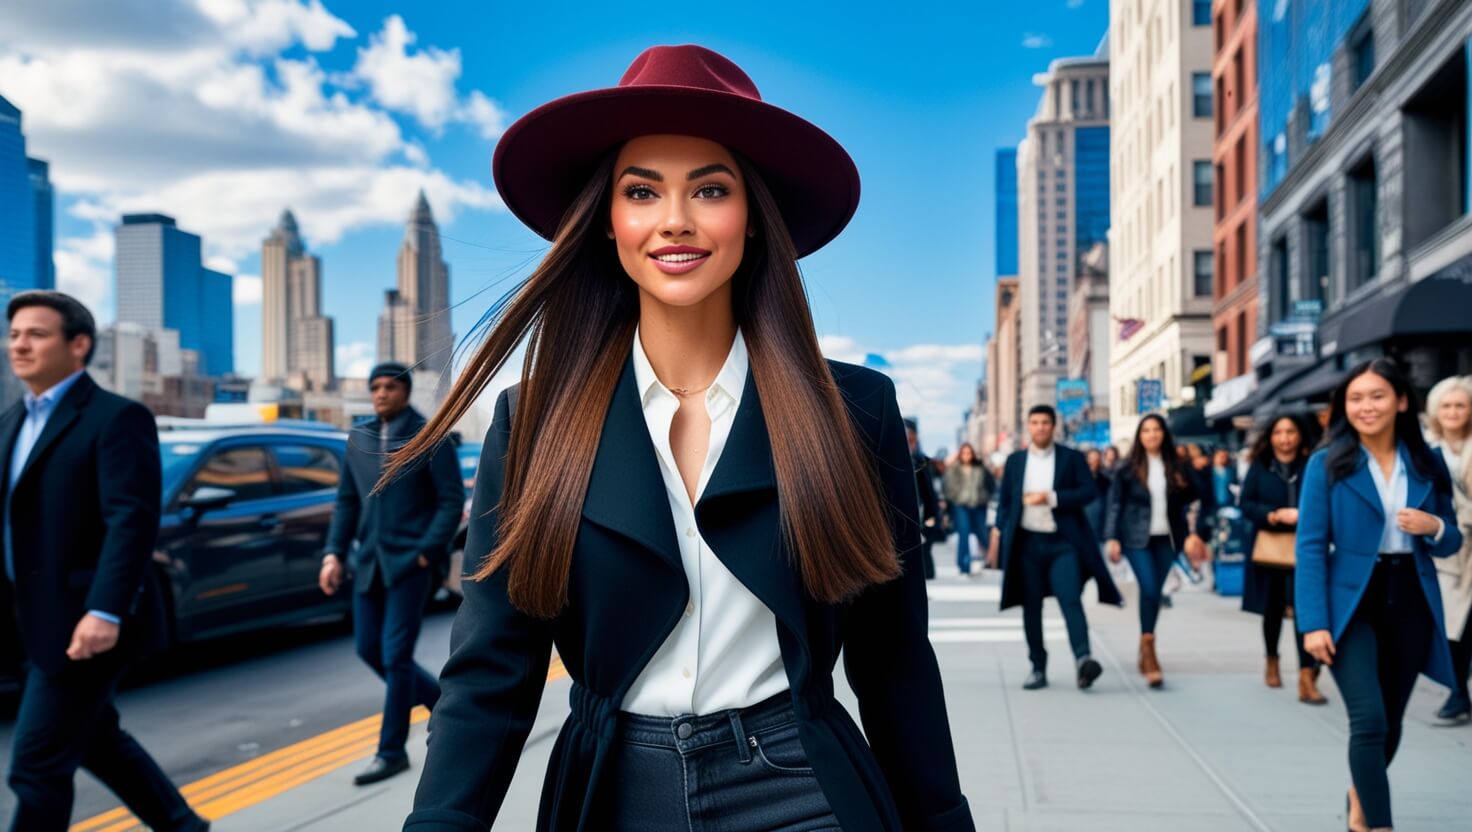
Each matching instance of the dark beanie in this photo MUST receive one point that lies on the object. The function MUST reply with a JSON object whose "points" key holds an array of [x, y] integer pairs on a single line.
{"points": [[392, 369]]}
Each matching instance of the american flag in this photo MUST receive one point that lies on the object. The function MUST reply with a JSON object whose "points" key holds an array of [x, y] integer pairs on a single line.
{"points": [[1128, 327]]}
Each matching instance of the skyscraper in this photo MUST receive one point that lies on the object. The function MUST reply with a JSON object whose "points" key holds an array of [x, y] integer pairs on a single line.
{"points": [[1160, 261], [297, 344], [415, 325], [1063, 210], [17, 205], [162, 285], [1006, 184], [45, 202]]}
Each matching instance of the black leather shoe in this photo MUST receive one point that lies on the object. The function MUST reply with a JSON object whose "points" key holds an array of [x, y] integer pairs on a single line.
{"points": [[1036, 680], [1456, 710], [381, 768], [1088, 671]]}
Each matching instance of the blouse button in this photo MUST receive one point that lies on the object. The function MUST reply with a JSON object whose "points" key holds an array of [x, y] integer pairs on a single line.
{"points": [[685, 672], [689, 531], [690, 608]]}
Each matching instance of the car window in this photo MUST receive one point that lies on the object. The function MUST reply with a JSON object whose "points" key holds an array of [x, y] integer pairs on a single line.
{"points": [[242, 469], [307, 468]]}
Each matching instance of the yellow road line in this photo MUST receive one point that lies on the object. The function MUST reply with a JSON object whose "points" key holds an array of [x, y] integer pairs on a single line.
{"points": [[255, 781]]}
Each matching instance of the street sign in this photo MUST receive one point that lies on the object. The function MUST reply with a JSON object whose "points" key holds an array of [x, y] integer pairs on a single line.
{"points": [[1149, 395]]}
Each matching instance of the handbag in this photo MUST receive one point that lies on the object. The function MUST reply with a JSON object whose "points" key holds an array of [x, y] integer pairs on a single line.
{"points": [[1274, 549]]}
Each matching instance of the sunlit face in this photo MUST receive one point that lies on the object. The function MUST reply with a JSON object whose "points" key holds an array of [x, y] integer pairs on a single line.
{"points": [[1453, 412], [967, 455], [40, 353], [1151, 436], [679, 218], [1040, 429], [1370, 403], [1286, 439]]}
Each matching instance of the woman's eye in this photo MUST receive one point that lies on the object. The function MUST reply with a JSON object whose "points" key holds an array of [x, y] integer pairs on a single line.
{"points": [[711, 191], [639, 193]]}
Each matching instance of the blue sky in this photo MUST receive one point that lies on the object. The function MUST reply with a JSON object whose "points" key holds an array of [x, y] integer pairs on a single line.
{"points": [[223, 111]]}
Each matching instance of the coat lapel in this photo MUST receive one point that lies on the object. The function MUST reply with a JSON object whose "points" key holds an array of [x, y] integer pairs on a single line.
{"points": [[1362, 482], [626, 492], [68, 410], [1417, 487], [740, 517]]}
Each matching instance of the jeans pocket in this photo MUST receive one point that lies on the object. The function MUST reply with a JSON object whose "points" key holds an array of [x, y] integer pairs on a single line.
{"points": [[780, 751]]}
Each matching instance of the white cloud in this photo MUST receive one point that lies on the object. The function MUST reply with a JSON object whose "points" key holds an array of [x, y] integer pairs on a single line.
{"points": [[84, 273], [221, 264], [422, 83], [1035, 40], [247, 290], [935, 383], [355, 359], [213, 125]]}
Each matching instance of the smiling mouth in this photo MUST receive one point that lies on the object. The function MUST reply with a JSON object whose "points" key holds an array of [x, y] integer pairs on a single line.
{"points": [[682, 257]]}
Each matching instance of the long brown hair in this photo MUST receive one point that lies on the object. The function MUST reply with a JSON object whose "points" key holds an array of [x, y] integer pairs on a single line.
{"points": [[578, 311], [1176, 471]]}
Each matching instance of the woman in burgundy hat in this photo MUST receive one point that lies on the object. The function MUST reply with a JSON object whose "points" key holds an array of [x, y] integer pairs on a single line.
{"points": [[682, 496]]}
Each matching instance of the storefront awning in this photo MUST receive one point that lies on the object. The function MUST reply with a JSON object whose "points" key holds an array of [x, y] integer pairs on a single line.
{"points": [[1266, 393], [1437, 305], [1314, 383]]}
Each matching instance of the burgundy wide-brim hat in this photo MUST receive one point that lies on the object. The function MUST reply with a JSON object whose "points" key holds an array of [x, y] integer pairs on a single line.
{"points": [[545, 159]]}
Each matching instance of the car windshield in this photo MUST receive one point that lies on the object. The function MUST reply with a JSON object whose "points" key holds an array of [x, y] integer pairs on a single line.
{"points": [[177, 456]]}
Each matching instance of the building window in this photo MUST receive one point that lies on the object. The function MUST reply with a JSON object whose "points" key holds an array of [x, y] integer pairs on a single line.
{"points": [[1201, 192], [1317, 263], [1200, 12], [1364, 225], [1221, 269], [1201, 94], [1362, 57], [1221, 121], [1221, 184], [1242, 254], [1436, 156], [1241, 351], [1201, 276]]}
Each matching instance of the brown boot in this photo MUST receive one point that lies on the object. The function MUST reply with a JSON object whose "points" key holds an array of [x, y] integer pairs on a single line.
{"points": [[1271, 677], [1308, 688], [1149, 664]]}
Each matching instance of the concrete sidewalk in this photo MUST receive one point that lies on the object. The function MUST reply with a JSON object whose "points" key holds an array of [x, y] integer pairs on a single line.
{"points": [[1214, 750]]}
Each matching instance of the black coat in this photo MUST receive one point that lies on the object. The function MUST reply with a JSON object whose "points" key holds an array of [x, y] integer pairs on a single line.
{"points": [[627, 589], [416, 514], [1127, 517], [1075, 487], [929, 505], [83, 522], [1095, 509], [1264, 492]]}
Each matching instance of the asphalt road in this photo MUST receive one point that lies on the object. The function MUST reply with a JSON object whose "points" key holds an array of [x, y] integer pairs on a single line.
{"points": [[210, 706]]}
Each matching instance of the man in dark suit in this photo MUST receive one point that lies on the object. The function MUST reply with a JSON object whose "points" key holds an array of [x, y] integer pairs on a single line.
{"points": [[931, 529], [1047, 547], [81, 483], [403, 534]]}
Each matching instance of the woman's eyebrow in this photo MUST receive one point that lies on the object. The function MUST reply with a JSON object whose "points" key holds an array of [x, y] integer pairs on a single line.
{"points": [[708, 170], [645, 173]]}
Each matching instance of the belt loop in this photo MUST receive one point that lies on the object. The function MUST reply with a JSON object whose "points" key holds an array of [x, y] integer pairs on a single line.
{"points": [[738, 733]]}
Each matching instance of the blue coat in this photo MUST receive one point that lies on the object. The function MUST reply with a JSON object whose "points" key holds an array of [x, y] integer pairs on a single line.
{"points": [[1339, 529]]}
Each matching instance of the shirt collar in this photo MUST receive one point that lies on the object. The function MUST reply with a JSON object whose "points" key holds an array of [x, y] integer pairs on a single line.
{"points": [[55, 394], [729, 381], [1041, 453]]}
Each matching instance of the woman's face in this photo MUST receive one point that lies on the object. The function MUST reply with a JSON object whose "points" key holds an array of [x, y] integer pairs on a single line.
{"points": [[1454, 411], [678, 217], [1111, 455], [967, 455], [1152, 436], [1093, 458], [1286, 439], [1370, 403]]}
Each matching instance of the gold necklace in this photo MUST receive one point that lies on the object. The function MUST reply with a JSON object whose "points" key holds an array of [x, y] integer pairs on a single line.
{"points": [[682, 392]]}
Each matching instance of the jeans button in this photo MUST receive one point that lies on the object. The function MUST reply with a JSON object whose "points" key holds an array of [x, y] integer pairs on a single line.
{"points": [[683, 731]]}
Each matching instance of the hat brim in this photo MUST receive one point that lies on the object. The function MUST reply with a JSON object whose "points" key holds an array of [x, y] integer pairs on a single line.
{"points": [[544, 160]]}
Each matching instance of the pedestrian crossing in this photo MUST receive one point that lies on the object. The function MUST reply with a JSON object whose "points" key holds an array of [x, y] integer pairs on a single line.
{"points": [[1002, 628]]}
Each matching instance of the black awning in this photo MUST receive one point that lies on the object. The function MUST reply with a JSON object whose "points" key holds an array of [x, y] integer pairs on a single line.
{"points": [[1314, 383], [1266, 392], [1437, 305]]}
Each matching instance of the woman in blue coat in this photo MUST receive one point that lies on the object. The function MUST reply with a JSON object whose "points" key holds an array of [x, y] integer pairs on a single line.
{"points": [[1376, 506]]}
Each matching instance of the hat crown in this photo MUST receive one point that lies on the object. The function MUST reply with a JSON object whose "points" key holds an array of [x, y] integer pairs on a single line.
{"points": [[688, 66]]}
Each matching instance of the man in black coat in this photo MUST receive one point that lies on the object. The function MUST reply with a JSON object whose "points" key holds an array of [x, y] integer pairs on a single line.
{"points": [[403, 534], [81, 497], [1047, 547], [931, 529]]}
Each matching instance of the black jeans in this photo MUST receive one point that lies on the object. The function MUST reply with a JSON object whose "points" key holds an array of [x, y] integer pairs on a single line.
{"points": [[67, 721], [1050, 563], [730, 771], [1151, 567], [1462, 659], [1275, 609], [386, 627], [1376, 663]]}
